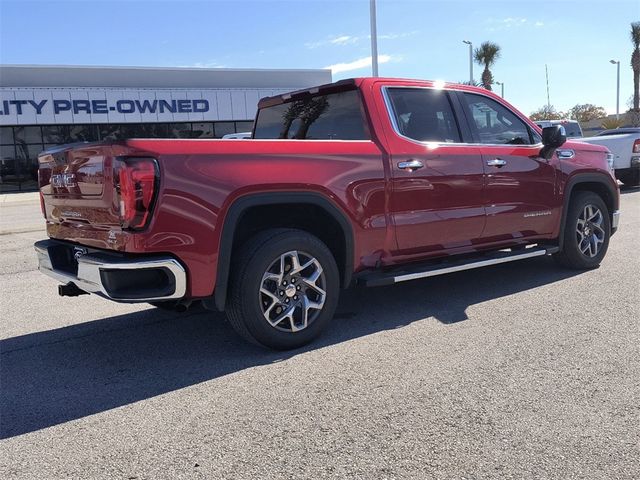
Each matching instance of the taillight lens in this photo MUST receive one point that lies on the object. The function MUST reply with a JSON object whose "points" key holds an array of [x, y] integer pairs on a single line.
{"points": [[42, 207], [136, 182], [636, 146]]}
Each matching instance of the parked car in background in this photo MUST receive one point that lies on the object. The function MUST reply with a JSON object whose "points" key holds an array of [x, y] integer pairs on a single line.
{"points": [[571, 127], [237, 136], [373, 181], [624, 144]]}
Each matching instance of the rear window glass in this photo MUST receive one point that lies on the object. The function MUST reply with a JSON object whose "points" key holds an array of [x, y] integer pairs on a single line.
{"points": [[336, 116]]}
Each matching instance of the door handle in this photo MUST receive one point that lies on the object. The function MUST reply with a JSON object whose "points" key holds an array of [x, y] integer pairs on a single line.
{"points": [[496, 162], [410, 165]]}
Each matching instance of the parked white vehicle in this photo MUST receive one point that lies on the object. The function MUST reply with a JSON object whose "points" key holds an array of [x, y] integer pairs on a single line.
{"points": [[238, 136], [624, 144], [571, 127]]}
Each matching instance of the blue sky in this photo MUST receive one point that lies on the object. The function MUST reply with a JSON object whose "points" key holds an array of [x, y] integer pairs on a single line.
{"points": [[417, 39]]}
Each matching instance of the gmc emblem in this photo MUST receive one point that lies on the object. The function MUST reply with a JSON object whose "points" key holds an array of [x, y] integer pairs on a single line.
{"points": [[64, 180]]}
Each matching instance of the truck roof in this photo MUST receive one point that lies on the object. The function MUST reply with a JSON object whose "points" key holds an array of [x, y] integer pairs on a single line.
{"points": [[359, 82]]}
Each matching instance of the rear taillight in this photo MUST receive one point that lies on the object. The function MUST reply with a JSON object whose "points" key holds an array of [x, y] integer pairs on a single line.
{"points": [[136, 184], [636, 146], [44, 211]]}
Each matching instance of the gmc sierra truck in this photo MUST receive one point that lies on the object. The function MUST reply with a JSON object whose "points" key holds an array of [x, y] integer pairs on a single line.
{"points": [[369, 181]]}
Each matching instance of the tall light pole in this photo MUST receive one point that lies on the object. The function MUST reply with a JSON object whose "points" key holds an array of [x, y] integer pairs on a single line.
{"points": [[501, 88], [617, 62], [470, 60], [374, 38], [546, 73]]}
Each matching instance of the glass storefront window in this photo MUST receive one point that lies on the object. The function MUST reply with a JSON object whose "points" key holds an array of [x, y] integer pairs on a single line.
{"points": [[28, 151], [202, 130], [6, 135], [28, 134], [180, 130], [69, 133], [224, 128], [244, 126], [7, 152]]}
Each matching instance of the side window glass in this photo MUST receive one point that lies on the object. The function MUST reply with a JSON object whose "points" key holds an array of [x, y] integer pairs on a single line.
{"points": [[537, 138], [336, 116], [424, 114], [495, 123]]}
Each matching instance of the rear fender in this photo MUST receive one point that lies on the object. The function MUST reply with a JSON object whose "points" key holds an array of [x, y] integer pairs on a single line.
{"points": [[234, 214]]}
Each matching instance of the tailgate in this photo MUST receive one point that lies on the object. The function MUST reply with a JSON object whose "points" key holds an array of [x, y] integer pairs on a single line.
{"points": [[75, 182], [78, 191]]}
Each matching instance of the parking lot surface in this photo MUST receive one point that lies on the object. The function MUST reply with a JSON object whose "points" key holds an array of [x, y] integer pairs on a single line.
{"points": [[521, 370]]}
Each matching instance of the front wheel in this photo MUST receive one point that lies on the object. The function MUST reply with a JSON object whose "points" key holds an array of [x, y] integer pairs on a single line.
{"points": [[587, 231], [283, 290]]}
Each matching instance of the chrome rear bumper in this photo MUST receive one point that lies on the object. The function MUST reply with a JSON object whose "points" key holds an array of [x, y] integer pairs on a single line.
{"points": [[111, 275]]}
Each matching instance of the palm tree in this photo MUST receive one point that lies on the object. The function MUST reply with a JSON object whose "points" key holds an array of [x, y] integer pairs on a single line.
{"points": [[635, 64], [486, 55]]}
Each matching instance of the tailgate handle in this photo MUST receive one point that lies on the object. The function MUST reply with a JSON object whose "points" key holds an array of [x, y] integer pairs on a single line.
{"points": [[410, 165]]}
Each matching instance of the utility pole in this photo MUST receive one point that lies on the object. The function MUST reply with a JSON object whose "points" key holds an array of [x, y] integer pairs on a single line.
{"points": [[546, 71], [470, 61], [374, 38], [617, 89]]}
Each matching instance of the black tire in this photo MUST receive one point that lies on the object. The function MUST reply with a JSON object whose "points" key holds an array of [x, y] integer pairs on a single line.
{"points": [[573, 254], [248, 308]]}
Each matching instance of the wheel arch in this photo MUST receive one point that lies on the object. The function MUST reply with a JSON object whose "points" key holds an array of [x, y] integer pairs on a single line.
{"points": [[598, 183], [242, 206]]}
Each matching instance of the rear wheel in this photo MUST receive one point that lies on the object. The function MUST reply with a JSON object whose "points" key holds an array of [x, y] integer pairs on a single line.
{"points": [[284, 287], [587, 231]]}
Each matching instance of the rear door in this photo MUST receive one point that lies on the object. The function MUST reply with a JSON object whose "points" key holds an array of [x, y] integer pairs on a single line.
{"points": [[521, 198], [437, 198]]}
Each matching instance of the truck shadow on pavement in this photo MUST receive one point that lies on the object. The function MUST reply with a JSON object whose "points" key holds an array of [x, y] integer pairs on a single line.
{"points": [[51, 377]]}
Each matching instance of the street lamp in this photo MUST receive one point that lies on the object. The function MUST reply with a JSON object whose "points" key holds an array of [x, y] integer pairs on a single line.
{"points": [[374, 38], [470, 61], [617, 62], [501, 88]]}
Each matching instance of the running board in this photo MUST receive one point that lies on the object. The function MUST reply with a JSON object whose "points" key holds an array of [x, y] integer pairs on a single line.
{"points": [[378, 279]]}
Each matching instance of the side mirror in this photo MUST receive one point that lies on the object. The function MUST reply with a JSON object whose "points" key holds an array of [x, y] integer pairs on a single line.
{"points": [[552, 137]]}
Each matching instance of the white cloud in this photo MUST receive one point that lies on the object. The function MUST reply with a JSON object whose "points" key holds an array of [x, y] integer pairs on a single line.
{"points": [[513, 22], [358, 64], [508, 23], [394, 36], [204, 65], [342, 40], [334, 40]]}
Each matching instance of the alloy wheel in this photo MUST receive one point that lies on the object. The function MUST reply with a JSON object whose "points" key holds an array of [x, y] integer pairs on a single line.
{"points": [[590, 230], [292, 291]]}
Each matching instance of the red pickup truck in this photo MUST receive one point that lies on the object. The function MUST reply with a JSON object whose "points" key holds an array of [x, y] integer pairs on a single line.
{"points": [[372, 181]]}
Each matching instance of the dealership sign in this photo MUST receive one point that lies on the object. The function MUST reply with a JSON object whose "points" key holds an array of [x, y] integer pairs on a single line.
{"points": [[101, 106], [47, 106]]}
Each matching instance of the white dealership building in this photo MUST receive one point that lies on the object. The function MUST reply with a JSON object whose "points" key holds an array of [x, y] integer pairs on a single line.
{"points": [[42, 106]]}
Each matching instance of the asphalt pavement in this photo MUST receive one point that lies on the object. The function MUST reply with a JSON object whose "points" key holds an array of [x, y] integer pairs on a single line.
{"points": [[522, 370]]}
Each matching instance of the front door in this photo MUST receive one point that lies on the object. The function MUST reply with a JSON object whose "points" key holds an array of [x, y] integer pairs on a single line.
{"points": [[521, 199]]}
